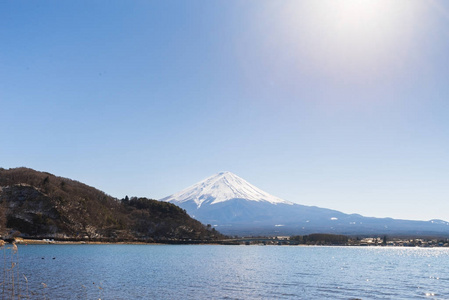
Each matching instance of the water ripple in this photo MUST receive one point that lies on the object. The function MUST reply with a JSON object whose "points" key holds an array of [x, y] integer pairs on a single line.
{"points": [[233, 272]]}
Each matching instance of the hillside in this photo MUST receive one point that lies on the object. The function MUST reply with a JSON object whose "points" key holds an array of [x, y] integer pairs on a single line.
{"points": [[39, 204]]}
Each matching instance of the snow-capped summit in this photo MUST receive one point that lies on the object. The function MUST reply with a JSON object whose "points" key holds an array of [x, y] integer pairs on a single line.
{"points": [[236, 207], [222, 187]]}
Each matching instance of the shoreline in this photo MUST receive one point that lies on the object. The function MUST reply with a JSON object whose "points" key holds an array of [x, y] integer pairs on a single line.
{"points": [[44, 242], [26, 242]]}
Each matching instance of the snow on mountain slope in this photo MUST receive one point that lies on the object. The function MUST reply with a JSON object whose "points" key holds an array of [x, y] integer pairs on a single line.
{"points": [[222, 187], [236, 207]]}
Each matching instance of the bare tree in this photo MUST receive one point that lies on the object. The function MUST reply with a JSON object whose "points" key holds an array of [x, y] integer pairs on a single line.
{"points": [[2, 217]]}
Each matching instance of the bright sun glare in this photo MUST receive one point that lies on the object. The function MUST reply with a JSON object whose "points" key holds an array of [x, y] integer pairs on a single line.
{"points": [[352, 37]]}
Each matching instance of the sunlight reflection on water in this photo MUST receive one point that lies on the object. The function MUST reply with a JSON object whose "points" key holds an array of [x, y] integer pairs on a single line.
{"points": [[235, 272]]}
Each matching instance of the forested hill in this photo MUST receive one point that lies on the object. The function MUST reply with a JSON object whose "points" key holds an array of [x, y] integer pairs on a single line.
{"points": [[39, 204]]}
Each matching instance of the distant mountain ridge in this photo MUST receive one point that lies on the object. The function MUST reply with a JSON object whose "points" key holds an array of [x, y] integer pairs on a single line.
{"points": [[39, 204], [234, 206]]}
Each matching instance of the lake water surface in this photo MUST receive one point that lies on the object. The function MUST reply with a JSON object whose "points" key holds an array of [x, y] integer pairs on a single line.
{"points": [[233, 272]]}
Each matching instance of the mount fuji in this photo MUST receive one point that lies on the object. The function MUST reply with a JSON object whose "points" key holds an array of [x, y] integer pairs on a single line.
{"points": [[236, 207]]}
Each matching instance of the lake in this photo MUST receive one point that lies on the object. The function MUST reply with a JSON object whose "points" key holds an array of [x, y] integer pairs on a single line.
{"points": [[231, 272]]}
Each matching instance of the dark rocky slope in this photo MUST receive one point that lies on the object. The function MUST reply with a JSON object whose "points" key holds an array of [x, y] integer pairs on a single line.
{"points": [[39, 204]]}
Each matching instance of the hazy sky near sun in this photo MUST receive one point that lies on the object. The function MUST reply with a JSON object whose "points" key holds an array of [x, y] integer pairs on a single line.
{"points": [[338, 104]]}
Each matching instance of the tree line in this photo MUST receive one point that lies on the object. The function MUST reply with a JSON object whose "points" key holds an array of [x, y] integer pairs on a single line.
{"points": [[320, 239]]}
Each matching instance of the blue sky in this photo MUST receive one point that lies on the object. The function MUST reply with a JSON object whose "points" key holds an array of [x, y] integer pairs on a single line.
{"points": [[338, 104]]}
